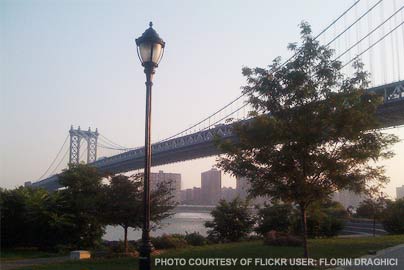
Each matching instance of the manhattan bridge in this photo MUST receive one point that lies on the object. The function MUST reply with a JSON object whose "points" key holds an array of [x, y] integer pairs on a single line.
{"points": [[372, 32]]}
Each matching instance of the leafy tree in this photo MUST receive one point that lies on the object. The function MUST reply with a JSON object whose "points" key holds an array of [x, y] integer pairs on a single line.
{"points": [[278, 217], [17, 226], [314, 130], [33, 217], [393, 217], [324, 219], [82, 198], [231, 221], [373, 208], [123, 203]]}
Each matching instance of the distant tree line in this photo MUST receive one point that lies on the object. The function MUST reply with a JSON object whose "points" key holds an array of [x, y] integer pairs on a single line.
{"points": [[75, 216], [235, 220]]}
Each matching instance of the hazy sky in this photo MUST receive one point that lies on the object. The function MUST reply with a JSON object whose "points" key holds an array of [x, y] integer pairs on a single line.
{"points": [[74, 63]]}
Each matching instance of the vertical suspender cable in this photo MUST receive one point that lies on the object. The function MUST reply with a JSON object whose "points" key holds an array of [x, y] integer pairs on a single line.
{"points": [[396, 37], [372, 77], [383, 47], [393, 59]]}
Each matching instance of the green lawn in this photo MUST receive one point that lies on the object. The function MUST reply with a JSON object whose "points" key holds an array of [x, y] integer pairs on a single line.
{"points": [[338, 247], [9, 255]]}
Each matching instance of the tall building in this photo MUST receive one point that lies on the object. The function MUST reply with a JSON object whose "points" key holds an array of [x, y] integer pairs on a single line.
{"points": [[197, 195], [400, 192], [188, 195], [242, 187], [348, 198], [174, 178], [228, 193], [211, 186]]}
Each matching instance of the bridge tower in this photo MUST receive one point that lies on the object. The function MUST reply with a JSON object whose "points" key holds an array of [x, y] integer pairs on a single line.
{"points": [[91, 137]]}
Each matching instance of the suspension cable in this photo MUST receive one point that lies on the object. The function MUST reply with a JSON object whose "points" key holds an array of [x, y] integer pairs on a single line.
{"points": [[57, 166], [278, 67], [371, 32], [379, 40], [357, 20], [108, 141], [54, 160]]}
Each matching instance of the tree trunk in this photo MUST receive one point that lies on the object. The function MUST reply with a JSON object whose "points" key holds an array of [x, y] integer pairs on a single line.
{"points": [[304, 230], [126, 239]]}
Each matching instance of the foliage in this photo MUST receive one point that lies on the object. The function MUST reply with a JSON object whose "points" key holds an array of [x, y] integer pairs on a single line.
{"points": [[169, 241], [324, 219], [372, 208], [393, 217], [231, 221], [33, 218], [122, 247], [123, 202], [195, 239], [274, 238], [82, 198], [314, 130], [68, 217], [278, 217]]}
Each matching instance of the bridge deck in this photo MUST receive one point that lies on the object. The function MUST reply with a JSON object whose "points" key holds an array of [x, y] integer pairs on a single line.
{"points": [[201, 144]]}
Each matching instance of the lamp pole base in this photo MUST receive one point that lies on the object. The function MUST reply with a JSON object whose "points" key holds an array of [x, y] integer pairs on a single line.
{"points": [[145, 255]]}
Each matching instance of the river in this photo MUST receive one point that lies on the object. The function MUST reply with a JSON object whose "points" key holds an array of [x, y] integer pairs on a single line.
{"points": [[181, 222]]}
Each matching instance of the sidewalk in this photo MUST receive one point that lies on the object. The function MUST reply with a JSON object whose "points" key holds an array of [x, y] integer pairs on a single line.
{"points": [[396, 252], [8, 265]]}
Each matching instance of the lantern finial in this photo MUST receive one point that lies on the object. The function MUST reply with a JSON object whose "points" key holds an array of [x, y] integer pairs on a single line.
{"points": [[151, 24]]}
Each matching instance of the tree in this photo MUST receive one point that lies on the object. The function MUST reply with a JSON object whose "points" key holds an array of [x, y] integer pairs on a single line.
{"points": [[278, 217], [324, 219], [313, 130], [373, 208], [82, 200], [393, 217], [124, 203], [33, 217], [21, 209], [231, 221]]}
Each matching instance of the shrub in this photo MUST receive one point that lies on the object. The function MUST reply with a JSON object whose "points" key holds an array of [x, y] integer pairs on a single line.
{"points": [[169, 241], [393, 217], [231, 221], [323, 220], [274, 238], [276, 217], [119, 246], [195, 239]]}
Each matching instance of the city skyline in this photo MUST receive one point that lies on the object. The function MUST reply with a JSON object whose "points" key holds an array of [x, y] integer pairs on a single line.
{"points": [[62, 66]]}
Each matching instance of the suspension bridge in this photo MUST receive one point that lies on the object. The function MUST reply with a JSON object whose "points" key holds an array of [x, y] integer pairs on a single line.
{"points": [[371, 31]]}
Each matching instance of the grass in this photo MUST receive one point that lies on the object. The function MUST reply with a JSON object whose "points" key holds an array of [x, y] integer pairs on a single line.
{"points": [[327, 248], [19, 254]]}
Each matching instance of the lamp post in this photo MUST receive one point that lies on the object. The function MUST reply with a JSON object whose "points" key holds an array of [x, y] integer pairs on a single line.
{"points": [[150, 49]]}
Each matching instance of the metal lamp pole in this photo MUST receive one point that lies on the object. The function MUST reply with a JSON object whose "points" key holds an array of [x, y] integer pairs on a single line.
{"points": [[150, 48]]}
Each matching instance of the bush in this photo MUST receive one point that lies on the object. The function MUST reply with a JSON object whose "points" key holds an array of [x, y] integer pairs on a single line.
{"points": [[276, 217], [119, 246], [323, 220], [169, 241], [231, 221], [393, 217], [274, 238], [195, 239]]}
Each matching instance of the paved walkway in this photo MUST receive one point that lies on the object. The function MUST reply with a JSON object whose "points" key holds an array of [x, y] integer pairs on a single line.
{"points": [[8, 265], [390, 255]]}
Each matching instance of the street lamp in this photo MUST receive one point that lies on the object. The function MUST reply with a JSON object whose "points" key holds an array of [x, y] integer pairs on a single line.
{"points": [[150, 48]]}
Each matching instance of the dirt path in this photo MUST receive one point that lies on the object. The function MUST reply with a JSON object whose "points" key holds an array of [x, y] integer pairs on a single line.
{"points": [[8, 265]]}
